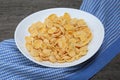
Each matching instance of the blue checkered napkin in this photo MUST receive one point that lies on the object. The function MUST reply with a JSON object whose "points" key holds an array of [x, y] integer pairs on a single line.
{"points": [[14, 66]]}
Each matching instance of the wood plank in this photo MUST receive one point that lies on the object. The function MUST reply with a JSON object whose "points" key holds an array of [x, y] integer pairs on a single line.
{"points": [[13, 11]]}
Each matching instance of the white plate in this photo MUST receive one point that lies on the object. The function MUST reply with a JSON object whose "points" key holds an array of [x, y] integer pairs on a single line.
{"points": [[93, 23]]}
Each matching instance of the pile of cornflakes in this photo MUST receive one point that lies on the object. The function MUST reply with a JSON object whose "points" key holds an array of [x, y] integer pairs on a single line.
{"points": [[58, 39]]}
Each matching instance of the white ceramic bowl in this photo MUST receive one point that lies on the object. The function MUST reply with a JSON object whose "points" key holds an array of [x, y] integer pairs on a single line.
{"points": [[93, 23]]}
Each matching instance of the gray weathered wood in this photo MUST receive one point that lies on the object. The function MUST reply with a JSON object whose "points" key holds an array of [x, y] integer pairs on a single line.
{"points": [[13, 11]]}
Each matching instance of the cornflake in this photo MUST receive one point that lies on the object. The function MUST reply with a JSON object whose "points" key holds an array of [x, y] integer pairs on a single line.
{"points": [[58, 39]]}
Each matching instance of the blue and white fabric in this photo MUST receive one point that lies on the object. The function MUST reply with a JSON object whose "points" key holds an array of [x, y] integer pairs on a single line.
{"points": [[14, 66]]}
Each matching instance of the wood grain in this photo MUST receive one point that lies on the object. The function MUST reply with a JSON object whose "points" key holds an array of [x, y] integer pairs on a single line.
{"points": [[13, 11]]}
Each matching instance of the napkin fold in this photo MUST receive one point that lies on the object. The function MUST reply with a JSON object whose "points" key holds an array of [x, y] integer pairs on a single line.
{"points": [[14, 66]]}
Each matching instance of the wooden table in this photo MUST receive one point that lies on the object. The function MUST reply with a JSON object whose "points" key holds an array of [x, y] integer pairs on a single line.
{"points": [[13, 11]]}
